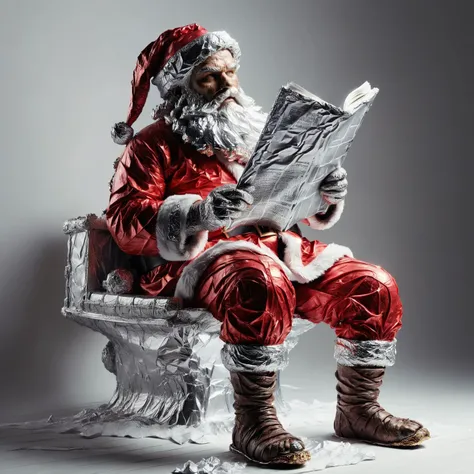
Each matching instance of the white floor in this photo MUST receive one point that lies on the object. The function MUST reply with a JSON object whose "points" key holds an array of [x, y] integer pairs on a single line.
{"points": [[449, 416]]}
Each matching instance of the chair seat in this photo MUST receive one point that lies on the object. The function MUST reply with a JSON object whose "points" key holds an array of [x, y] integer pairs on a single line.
{"points": [[166, 358], [131, 306]]}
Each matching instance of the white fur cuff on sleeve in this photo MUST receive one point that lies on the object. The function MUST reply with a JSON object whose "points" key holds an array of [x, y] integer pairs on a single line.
{"points": [[174, 242], [329, 220]]}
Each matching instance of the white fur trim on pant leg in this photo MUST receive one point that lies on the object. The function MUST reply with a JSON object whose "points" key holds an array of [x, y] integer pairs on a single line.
{"points": [[352, 353], [254, 358], [316, 268], [173, 241], [321, 224], [193, 271]]}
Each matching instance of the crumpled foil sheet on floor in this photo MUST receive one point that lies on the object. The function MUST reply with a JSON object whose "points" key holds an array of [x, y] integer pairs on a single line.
{"points": [[92, 423], [295, 416], [324, 455], [210, 465]]}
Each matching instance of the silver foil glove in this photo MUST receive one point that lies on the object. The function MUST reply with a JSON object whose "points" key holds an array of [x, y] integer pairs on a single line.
{"points": [[334, 186], [219, 209]]}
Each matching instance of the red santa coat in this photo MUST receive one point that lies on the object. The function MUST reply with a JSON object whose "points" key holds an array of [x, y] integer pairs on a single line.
{"points": [[156, 181]]}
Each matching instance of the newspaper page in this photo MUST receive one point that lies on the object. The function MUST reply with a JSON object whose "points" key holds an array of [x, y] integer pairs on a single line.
{"points": [[304, 139]]}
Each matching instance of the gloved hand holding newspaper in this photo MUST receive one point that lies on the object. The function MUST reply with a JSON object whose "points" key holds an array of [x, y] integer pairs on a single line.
{"points": [[304, 140]]}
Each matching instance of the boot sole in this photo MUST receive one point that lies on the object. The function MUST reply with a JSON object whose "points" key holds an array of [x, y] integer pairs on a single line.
{"points": [[291, 459], [412, 441]]}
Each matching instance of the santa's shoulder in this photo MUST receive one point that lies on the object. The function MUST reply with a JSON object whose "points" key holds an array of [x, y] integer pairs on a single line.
{"points": [[155, 142], [156, 133]]}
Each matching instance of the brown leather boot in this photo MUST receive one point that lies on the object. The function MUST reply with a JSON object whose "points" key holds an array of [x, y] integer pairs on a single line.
{"points": [[258, 435], [359, 415]]}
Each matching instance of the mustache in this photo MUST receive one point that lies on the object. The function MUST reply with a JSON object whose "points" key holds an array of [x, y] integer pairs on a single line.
{"points": [[220, 97]]}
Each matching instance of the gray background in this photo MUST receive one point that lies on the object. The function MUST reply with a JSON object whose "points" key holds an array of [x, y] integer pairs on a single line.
{"points": [[66, 71]]}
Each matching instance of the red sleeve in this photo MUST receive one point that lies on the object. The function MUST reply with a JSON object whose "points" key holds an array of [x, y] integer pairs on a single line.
{"points": [[138, 190]]}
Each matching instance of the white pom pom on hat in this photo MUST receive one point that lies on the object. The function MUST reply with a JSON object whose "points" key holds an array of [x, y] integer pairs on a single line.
{"points": [[121, 133]]}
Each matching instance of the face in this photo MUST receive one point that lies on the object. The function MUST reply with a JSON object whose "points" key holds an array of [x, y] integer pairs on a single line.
{"points": [[214, 75], [212, 112]]}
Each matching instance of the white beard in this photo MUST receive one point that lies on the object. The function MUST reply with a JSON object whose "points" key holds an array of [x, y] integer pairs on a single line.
{"points": [[232, 129]]}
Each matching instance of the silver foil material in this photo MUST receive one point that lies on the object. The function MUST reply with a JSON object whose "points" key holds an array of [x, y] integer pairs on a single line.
{"points": [[166, 359], [130, 306], [83, 224], [253, 358], [210, 465], [301, 416], [353, 353], [163, 367], [304, 139], [91, 255], [108, 358], [119, 281], [177, 70], [326, 454]]}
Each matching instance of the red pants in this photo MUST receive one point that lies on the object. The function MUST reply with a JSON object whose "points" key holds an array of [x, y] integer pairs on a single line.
{"points": [[256, 301]]}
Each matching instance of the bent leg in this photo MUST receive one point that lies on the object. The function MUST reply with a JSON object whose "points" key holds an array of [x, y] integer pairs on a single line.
{"points": [[359, 300], [255, 301]]}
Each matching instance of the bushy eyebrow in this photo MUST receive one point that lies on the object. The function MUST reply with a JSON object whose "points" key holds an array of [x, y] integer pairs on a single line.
{"points": [[207, 69]]}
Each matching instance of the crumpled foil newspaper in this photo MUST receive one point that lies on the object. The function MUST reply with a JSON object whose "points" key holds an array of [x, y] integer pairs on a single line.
{"points": [[304, 139]]}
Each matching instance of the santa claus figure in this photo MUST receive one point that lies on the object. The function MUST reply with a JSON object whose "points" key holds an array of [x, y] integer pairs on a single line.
{"points": [[173, 194]]}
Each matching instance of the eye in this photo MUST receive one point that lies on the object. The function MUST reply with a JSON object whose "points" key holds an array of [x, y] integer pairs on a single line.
{"points": [[205, 79]]}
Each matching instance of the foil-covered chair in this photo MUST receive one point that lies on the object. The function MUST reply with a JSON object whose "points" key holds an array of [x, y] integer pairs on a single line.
{"points": [[166, 359]]}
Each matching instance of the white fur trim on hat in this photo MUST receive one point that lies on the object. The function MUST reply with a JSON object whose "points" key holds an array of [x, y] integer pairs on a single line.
{"points": [[177, 68], [121, 133]]}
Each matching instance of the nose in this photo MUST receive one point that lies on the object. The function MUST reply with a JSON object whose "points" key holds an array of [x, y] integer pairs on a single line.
{"points": [[225, 81]]}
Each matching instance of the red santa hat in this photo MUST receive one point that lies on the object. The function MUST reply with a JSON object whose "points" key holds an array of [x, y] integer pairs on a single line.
{"points": [[167, 63]]}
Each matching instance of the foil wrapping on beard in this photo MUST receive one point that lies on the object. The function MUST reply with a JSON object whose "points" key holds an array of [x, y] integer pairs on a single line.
{"points": [[233, 127]]}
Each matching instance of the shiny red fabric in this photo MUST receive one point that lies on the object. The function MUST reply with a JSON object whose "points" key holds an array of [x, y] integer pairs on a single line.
{"points": [[252, 297], [358, 299], [256, 302], [155, 165], [152, 59], [164, 278]]}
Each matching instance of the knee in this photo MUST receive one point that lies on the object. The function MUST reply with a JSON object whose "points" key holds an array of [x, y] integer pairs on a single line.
{"points": [[369, 279], [251, 295], [261, 284], [253, 276], [257, 281], [389, 289], [377, 290]]}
